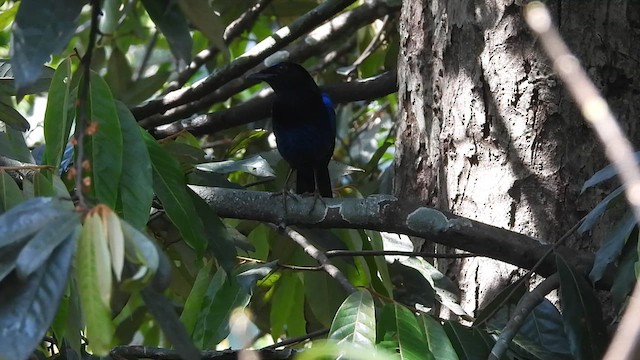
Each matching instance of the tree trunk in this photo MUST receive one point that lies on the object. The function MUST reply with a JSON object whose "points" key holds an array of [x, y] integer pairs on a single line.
{"points": [[490, 131]]}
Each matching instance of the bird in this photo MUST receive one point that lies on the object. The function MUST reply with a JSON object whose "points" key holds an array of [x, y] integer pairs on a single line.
{"points": [[304, 125]]}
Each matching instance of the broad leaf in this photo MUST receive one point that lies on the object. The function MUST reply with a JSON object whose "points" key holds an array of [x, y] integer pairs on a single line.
{"points": [[437, 339], [255, 165], [169, 19], [12, 117], [581, 314], [170, 187], [136, 184], [468, 344], [7, 83], [28, 218], [355, 321], [163, 311], [140, 250], [612, 248], [329, 350], [604, 174], [220, 301], [35, 36], [411, 341], [593, 215], [104, 148], [119, 76], [220, 242], [323, 294], [90, 263], [10, 193], [287, 307], [58, 115], [28, 307], [193, 304], [36, 252], [544, 327]]}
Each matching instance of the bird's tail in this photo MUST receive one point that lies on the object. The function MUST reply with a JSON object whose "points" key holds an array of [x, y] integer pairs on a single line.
{"points": [[306, 181]]}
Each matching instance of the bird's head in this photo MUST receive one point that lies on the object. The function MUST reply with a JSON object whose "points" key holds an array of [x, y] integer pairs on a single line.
{"points": [[285, 76]]}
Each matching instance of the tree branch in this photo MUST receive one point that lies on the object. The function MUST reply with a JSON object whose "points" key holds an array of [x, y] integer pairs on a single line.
{"points": [[387, 213], [245, 21], [320, 39], [260, 106], [321, 258], [238, 67], [526, 305]]}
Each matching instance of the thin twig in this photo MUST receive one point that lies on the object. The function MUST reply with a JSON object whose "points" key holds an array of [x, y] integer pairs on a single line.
{"points": [[339, 253], [242, 23], [320, 257], [295, 340], [251, 58], [84, 118], [259, 107], [147, 54]]}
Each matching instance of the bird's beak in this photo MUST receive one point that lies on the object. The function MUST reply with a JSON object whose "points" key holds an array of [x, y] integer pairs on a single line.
{"points": [[263, 75]]}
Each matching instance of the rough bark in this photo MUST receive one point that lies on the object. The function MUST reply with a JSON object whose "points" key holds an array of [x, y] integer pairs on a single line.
{"points": [[489, 129]]}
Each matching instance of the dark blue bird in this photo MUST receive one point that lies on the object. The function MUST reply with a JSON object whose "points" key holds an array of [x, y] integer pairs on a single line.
{"points": [[304, 123]]}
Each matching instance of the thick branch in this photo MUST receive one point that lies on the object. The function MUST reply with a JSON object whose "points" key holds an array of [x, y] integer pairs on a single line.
{"points": [[250, 59], [259, 107], [387, 213]]}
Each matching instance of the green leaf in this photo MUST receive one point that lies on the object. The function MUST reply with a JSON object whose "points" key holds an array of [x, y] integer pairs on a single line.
{"points": [[28, 218], [610, 251], [168, 17], [243, 139], [581, 314], [119, 75], [193, 304], [323, 294], [469, 345], [104, 149], [37, 250], [355, 321], [58, 115], [203, 328], [109, 17], [42, 186], [17, 145], [593, 215], [139, 249], [411, 341], [167, 318], [328, 350], [287, 307], [7, 16], [28, 307], [35, 36], [437, 339], [136, 184], [220, 301], [220, 242], [202, 16], [10, 193], [544, 327], [142, 89], [12, 117], [255, 165], [604, 174], [625, 277], [7, 84], [95, 311], [170, 187]]}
